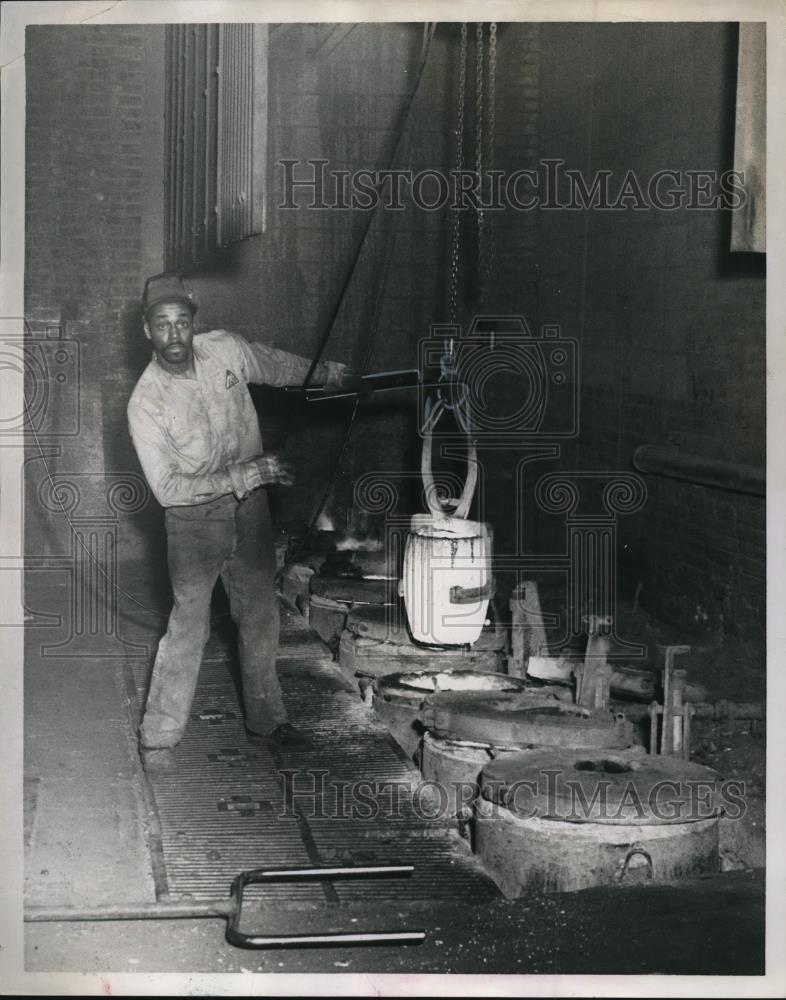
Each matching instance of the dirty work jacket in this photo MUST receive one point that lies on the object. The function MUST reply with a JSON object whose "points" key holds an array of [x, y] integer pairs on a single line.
{"points": [[186, 431]]}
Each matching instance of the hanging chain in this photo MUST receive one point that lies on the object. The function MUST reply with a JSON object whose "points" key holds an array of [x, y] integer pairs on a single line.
{"points": [[479, 102], [492, 88], [455, 247], [488, 256], [481, 270]]}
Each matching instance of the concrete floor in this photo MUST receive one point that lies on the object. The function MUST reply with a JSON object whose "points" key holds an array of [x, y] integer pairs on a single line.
{"points": [[86, 834], [710, 926], [87, 843]]}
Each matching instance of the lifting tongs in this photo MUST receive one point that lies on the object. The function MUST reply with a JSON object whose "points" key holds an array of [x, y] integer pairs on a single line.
{"points": [[365, 385], [232, 910]]}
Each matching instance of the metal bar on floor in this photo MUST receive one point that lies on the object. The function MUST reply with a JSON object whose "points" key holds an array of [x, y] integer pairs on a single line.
{"points": [[232, 909]]}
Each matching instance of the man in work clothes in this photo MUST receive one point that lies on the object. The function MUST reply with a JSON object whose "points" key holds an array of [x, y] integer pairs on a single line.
{"points": [[197, 436]]}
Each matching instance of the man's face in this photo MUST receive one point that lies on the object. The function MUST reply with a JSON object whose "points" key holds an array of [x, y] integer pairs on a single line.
{"points": [[169, 326]]}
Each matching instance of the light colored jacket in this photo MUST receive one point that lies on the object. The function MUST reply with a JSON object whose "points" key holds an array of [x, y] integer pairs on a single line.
{"points": [[187, 431]]}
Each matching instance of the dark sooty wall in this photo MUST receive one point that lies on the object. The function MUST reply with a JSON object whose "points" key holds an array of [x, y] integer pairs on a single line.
{"points": [[670, 324]]}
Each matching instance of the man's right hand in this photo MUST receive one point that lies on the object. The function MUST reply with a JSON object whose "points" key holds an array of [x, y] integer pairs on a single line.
{"points": [[264, 470], [272, 469]]}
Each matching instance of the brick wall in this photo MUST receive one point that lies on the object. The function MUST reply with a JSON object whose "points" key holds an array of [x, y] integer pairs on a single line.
{"points": [[88, 192], [671, 325], [84, 168], [701, 555]]}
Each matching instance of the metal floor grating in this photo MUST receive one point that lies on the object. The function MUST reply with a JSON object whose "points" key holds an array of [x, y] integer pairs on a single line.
{"points": [[224, 809]]}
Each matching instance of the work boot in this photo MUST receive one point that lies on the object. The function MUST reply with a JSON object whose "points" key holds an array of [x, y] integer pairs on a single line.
{"points": [[285, 736], [157, 759]]}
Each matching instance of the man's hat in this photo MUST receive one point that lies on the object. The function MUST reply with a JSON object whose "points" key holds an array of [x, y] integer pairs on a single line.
{"points": [[165, 287]]}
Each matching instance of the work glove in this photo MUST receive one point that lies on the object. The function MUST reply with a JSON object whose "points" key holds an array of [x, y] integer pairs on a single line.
{"points": [[340, 377], [260, 471]]}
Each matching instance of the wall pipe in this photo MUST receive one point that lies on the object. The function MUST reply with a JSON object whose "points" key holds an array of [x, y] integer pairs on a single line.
{"points": [[717, 710], [662, 460]]}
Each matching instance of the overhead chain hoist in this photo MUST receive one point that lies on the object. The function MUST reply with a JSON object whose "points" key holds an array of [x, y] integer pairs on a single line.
{"points": [[452, 393], [447, 580]]}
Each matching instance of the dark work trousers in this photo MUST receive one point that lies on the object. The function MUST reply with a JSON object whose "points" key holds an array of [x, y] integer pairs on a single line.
{"points": [[234, 540]]}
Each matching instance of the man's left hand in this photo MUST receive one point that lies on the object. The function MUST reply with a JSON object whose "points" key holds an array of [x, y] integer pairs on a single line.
{"points": [[340, 376], [343, 378]]}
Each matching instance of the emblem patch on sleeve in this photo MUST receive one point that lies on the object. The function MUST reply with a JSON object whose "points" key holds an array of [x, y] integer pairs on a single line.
{"points": [[232, 379]]}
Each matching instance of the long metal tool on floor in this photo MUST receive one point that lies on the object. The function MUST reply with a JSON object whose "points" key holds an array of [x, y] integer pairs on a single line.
{"points": [[232, 910]]}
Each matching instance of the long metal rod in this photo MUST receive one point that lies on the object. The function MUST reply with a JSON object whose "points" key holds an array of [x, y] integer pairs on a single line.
{"points": [[306, 874], [230, 909], [311, 940], [175, 910], [159, 910]]}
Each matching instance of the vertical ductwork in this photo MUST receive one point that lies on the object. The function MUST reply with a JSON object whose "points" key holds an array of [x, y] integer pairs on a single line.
{"points": [[216, 138]]}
